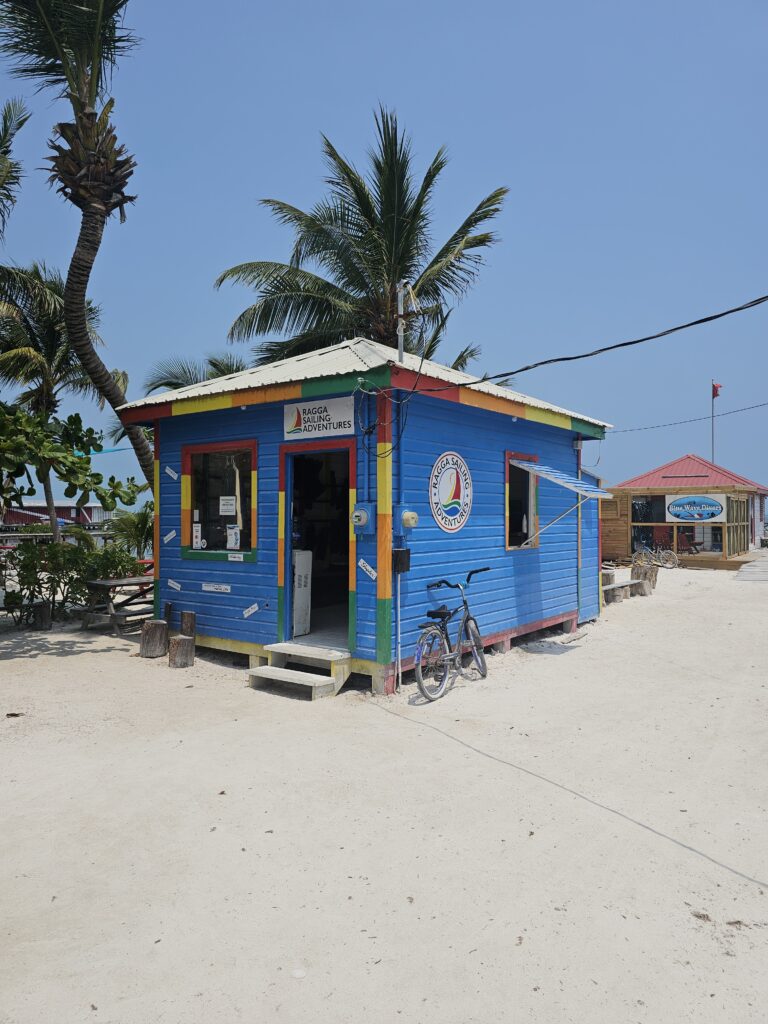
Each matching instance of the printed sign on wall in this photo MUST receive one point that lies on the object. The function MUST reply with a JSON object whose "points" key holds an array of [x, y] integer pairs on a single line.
{"points": [[319, 419], [450, 492], [695, 508]]}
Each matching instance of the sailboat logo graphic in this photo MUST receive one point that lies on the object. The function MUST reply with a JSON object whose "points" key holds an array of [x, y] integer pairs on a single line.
{"points": [[451, 488], [297, 424]]}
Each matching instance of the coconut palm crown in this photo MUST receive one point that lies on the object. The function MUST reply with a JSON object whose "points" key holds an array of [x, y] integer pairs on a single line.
{"points": [[352, 248]]}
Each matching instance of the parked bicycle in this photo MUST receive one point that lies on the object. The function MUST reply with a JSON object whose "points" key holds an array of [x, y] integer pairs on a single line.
{"points": [[664, 557], [435, 655]]}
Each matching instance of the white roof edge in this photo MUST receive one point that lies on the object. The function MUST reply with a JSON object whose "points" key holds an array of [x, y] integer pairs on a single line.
{"points": [[358, 355]]}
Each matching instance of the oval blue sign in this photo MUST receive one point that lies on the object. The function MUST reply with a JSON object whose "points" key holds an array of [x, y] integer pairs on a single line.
{"points": [[695, 508]]}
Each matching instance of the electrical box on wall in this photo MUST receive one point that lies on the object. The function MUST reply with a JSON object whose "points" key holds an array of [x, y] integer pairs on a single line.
{"points": [[406, 518], [364, 518]]}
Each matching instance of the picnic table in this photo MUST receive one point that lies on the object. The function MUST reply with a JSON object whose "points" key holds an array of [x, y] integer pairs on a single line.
{"points": [[123, 600]]}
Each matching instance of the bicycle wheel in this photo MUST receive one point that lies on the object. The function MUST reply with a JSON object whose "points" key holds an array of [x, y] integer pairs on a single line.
{"points": [[669, 559], [432, 663], [641, 557], [473, 642]]}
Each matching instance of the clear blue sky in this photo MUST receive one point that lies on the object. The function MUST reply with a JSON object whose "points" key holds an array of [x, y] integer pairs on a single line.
{"points": [[632, 137]]}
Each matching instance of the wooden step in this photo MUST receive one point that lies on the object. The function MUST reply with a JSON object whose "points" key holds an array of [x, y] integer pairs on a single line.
{"points": [[307, 682], [299, 650]]}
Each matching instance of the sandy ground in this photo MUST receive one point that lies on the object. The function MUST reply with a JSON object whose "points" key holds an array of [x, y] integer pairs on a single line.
{"points": [[179, 848]]}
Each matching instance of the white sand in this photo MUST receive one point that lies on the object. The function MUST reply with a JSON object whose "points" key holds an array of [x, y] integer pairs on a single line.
{"points": [[361, 868]]}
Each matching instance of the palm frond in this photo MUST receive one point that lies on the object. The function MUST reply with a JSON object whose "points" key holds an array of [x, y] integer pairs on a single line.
{"points": [[224, 364], [467, 355], [174, 372], [13, 117]]}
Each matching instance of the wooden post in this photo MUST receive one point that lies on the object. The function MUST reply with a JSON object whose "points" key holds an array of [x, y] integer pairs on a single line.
{"points": [[650, 573], [167, 612], [181, 652], [41, 615], [188, 623], [154, 638]]}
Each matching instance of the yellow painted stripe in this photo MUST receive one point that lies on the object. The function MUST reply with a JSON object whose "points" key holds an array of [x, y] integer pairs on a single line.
{"points": [[254, 506], [208, 404], [492, 403], [186, 510], [186, 491], [352, 541], [281, 538], [384, 451], [235, 646], [553, 419]]}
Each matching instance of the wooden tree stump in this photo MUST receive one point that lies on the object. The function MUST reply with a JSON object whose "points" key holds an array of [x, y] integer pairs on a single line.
{"points": [[154, 638], [181, 652], [646, 572], [608, 577], [644, 589], [167, 612], [41, 615], [188, 621]]}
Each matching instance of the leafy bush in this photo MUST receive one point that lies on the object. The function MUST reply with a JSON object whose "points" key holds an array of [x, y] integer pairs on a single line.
{"points": [[59, 573]]}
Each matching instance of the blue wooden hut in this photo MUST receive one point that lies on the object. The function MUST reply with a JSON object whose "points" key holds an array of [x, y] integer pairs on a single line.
{"points": [[282, 491]]}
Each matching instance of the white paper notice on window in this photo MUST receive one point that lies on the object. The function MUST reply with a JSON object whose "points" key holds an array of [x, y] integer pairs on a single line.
{"points": [[227, 505], [197, 535], [233, 538]]}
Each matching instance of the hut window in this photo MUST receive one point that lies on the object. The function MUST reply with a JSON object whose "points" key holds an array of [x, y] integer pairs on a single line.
{"points": [[520, 507], [221, 499]]}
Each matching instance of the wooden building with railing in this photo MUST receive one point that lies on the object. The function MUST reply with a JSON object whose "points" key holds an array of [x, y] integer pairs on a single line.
{"points": [[709, 515]]}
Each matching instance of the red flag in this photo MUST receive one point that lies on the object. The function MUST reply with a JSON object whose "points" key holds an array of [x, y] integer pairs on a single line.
{"points": [[715, 389]]}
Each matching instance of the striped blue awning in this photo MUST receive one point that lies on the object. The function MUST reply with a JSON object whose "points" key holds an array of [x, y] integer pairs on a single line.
{"points": [[557, 476]]}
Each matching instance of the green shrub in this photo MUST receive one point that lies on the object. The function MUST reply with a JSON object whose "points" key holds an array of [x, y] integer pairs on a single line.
{"points": [[59, 573]]}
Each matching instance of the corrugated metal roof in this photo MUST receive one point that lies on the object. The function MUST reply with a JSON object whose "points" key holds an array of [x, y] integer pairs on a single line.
{"points": [[690, 471], [355, 356]]}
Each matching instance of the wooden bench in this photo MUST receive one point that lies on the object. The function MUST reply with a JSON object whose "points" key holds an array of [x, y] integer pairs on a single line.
{"points": [[616, 592]]}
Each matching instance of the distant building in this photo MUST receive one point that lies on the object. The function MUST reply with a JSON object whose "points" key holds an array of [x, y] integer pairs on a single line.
{"points": [[90, 515], [704, 512]]}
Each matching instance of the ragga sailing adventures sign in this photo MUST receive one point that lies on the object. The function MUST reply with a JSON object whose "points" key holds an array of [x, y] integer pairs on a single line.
{"points": [[450, 492], [319, 419]]}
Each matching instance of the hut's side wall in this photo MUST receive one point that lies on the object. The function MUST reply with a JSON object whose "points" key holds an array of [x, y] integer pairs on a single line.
{"points": [[524, 587], [614, 517]]}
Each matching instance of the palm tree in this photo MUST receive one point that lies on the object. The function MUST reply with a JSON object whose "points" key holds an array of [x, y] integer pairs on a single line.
{"points": [[13, 117], [134, 530], [74, 48], [35, 352], [371, 232]]}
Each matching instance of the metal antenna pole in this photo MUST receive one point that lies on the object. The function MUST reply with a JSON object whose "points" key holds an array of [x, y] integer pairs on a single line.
{"points": [[712, 418], [400, 320]]}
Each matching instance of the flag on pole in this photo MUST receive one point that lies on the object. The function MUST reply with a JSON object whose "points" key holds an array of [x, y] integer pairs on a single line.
{"points": [[716, 389]]}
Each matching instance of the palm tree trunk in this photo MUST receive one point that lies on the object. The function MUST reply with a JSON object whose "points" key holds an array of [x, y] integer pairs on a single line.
{"points": [[75, 291], [48, 489]]}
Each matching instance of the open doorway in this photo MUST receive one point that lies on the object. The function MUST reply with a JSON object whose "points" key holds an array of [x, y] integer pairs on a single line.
{"points": [[320, 546]]}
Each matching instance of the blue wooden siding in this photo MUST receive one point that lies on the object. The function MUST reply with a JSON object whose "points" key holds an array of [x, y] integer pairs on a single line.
{"points": [[221, 615], [523, 586], [589, 593]]}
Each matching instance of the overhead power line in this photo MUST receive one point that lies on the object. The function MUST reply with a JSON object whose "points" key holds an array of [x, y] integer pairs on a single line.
{"points": [[696, 419], [607, 348]]}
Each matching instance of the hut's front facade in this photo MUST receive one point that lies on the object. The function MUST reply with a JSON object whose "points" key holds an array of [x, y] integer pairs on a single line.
{"points": [[707, 514], [282, 492]]}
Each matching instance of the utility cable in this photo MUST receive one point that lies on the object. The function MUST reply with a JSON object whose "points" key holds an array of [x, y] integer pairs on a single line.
{"points": [[697, 419]]}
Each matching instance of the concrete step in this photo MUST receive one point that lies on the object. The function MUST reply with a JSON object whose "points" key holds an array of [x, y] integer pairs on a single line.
{"points": [[294, 649], [307, 682]]}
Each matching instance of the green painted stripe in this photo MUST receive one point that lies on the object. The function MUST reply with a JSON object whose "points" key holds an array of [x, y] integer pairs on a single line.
{"points": [[215, 556], [587, 429], [280, 614], [380, 377], [384, 630], [352, 628], [156, 599]]}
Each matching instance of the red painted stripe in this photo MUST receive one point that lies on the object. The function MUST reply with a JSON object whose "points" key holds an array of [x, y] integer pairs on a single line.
{"points": [[155, 412], [385, 412], [408, 380]]}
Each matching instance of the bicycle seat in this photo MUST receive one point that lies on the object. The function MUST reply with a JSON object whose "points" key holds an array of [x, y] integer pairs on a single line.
{"points": [[440, 613]]}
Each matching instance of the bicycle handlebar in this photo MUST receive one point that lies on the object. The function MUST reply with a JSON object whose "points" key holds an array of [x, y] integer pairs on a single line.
{"points": [[457, 586]]}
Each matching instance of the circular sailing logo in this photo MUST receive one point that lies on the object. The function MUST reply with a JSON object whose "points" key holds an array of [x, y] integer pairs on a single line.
{"points": [[450, 492]]}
